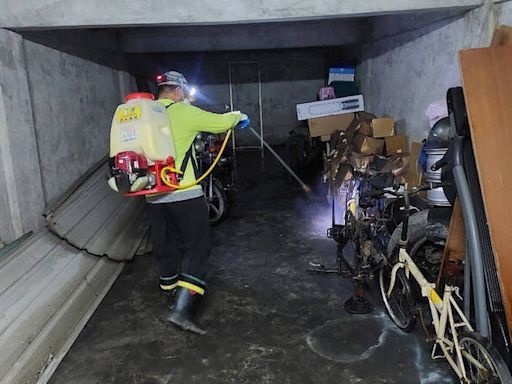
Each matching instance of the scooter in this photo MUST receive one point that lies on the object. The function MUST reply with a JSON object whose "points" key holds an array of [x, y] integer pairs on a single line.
{"points": [[218, 186]]}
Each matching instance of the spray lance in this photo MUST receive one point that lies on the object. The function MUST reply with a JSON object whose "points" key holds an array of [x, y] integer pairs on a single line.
{"points": [[303, 185]]}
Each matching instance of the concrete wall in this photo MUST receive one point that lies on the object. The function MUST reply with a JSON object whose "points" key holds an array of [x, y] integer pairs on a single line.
{"points": [[73, 100], [401, 75], [288, 77], [20, 179], [55, 113], [503, 13], [100, 46]]}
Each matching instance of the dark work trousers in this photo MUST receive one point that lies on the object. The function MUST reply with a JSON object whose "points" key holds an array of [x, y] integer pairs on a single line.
{"points": [[181, 242]]}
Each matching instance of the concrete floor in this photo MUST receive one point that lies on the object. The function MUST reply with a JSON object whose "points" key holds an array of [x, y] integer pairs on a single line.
{"points": [[268, 320]]}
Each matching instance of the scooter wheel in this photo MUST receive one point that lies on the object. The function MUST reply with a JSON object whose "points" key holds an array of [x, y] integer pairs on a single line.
{"points": [[217, 202]]}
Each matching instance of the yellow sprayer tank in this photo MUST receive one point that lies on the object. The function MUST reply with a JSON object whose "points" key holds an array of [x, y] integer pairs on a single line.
{"points": [[142, 125]]}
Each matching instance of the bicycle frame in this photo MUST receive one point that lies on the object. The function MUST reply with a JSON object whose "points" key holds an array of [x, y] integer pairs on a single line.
{"points": [[440, 308], [442, 314]]}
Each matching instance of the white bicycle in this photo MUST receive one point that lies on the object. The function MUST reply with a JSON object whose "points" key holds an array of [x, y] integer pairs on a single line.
{"points": [[472, 357]]}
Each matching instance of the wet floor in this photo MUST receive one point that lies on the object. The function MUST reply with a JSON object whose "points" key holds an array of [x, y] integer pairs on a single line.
{"points": [[268, 320]]}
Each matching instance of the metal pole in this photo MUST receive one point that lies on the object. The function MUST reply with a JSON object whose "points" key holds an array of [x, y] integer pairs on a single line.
{"points": [[261, 113], [302, 184], [473, 248], [231, 107], [474, 245], [467, 281]]}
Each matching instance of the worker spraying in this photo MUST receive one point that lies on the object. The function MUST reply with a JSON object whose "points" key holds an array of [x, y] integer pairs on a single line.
{"points": [[152, 152], [161, 166]]}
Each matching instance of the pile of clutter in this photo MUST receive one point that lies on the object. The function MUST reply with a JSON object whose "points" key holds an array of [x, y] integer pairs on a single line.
{"points": [[356, 141], [367, 146], [368, 140]]}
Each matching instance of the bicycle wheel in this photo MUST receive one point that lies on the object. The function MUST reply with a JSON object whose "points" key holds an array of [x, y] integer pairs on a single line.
{"points": [[482, 362], [400, 303]]}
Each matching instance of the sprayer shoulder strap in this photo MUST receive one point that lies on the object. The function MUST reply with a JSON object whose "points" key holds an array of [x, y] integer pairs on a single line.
{"points": [[188, 155]]}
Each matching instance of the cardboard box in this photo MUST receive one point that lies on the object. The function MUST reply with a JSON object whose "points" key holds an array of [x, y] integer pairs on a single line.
{"points": [[396, 144], [398, 164], [383, 127], [365, 119], [378, 127], [341, 73], [330, 107], [368, 145], [413, 176], [365, 128], [365, 116], [323, 126]]}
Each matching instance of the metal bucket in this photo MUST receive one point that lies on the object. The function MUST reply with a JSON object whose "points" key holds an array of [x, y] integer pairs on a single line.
{"points": [[437, 197], [433, 156]]}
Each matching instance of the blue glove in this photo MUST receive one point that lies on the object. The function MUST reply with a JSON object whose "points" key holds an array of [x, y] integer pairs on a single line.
{"points": [[244, 122]]}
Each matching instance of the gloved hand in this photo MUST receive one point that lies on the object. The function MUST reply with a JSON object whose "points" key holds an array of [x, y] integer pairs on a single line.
{"points": [[244, 121]]}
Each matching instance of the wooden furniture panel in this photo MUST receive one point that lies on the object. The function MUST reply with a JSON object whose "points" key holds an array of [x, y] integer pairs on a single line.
{"points": [[487, 82], [502, 36], [454, 251]]}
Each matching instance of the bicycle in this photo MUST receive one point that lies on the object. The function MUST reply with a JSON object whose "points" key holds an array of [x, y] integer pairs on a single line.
{"points": [[472, 357], [359, 225]]}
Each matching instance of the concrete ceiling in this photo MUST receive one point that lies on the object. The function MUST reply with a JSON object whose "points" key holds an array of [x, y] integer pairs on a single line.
{"points": [[234, 37], [282, 35], [51, 14], [276, 35]]}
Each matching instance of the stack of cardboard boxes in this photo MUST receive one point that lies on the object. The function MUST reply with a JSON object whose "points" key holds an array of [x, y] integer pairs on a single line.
{"points": [[376, 136], [357, 138], [368, 138]]}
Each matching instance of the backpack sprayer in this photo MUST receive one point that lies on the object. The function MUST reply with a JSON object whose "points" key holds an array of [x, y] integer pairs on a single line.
{"points": [[142, 151]]}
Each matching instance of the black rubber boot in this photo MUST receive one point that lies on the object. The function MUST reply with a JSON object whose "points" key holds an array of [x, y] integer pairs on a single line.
{"points": [[170, 298], [181, 315]]}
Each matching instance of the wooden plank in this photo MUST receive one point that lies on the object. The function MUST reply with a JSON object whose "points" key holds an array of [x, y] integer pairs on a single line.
{"points": [[487, 82], [502, 36], [454, 252]]}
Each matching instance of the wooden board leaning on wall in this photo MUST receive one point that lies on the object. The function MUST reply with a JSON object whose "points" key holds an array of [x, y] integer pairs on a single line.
{"points": [[487, 82], [454, 250]]}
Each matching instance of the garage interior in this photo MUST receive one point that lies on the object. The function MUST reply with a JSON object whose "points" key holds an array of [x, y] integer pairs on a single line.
{"points": [[79, 295]]}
